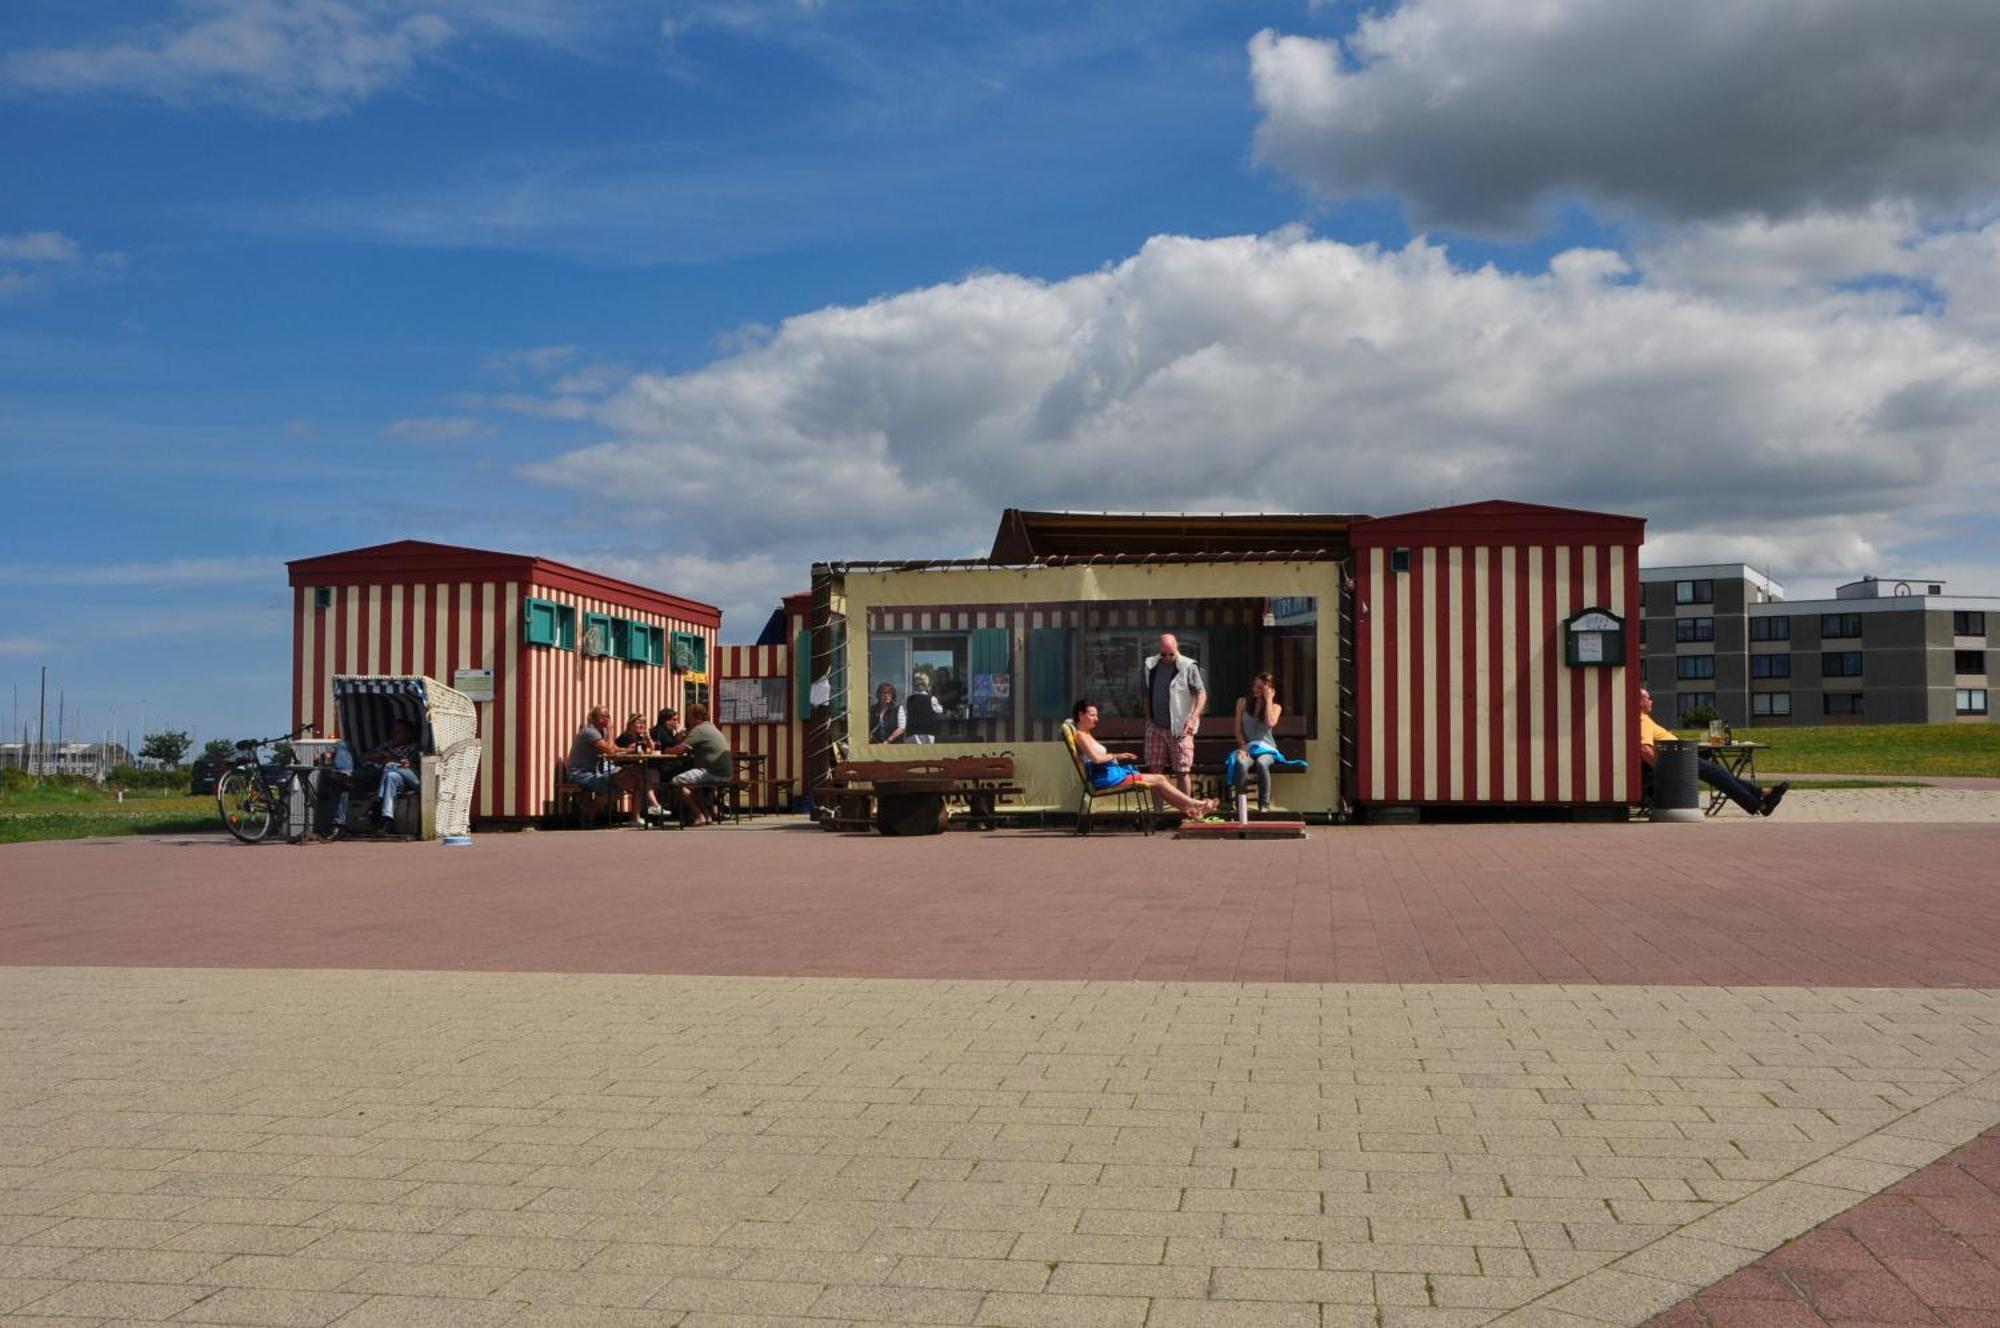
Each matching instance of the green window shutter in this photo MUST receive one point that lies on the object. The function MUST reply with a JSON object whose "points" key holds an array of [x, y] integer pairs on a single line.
{"points": [[1049, 652], [538, 622], [1227, 669], [992, 650], [621, 638], [802, 669], [700, 644], [598, 626], [566, 626], [656, 647]]}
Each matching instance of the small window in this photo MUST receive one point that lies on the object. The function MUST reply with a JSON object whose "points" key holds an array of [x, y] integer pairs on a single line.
{"points": [[1967, 623], [1689, 701], [1694, 629], [597, 634], [1841, 703], [547, 623], [690, 652], [322, 597], [1968, 661], [1399, 560], [1840, 664], [1770, 666], [1694, 592], [1771, 704], [1971, 700], [1770, 629], [1695, 666], [1834, 626]]}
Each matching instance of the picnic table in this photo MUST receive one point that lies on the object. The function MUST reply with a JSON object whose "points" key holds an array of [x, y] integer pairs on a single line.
{"points": [[1738, 758], [914, 797]]}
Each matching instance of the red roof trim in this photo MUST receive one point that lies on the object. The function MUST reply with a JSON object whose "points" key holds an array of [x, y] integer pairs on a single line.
{"points": [[1499, 521], [413, 562]]}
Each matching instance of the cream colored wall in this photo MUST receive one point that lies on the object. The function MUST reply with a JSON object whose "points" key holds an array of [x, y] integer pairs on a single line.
{"points": [[1043, 768]]}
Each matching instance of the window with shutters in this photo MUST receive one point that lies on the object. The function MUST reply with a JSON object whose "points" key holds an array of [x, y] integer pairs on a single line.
{"points": [[547, 623]]}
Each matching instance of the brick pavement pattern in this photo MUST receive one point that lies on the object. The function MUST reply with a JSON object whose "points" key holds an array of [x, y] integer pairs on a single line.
{"points": [[1765, 903], [1925, 1251], [360, 1148]]}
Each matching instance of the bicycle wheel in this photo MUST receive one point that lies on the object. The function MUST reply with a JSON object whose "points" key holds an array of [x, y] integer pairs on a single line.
{"points": [[248, 808]]}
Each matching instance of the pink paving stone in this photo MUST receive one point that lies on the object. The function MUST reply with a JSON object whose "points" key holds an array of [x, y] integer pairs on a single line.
{"points": [[1846, 1286], [1795, 905]]}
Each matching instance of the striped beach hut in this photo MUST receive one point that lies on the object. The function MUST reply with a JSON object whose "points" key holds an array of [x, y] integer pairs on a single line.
{"points": [[534, 643], [1466, 693]]}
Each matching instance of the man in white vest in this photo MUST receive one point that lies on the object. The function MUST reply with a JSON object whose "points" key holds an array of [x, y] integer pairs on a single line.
{"points": [[1175, 695]]}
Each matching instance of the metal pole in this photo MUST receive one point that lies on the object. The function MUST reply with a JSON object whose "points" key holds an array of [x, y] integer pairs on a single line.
{"points": [[42, 724], [62, 704]]}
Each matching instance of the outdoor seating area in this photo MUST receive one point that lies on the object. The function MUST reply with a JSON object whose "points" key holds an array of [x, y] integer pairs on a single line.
{"points": [[917, 797]]}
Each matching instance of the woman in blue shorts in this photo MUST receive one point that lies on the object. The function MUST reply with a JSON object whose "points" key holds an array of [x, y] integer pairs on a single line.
{"points": [[1107, 769]]}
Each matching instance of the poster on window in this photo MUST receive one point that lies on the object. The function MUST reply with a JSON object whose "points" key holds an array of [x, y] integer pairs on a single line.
{"points": [[992, 695], [751, 700]]}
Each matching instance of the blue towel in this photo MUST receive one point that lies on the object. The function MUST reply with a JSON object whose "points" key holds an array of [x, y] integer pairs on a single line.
{"points": [[1231, 772]]}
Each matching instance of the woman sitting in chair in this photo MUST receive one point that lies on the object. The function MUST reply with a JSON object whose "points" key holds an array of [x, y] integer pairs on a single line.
{"points": [[1107, 769]]}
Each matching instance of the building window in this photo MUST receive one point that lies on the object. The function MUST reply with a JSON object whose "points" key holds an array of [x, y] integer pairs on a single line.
{"points": [[1971, 700], [1841, 703], [1774, 704], [1694, 629], [1968, 661], [1833, 626], [1967, 623], [1687, 701], [596, 639], [1770, 666], [1770, 629], [547, 623], [1694, 592], [690, 652], [1840, 664], [1695, 666], [1399, 560], [322, 597]]}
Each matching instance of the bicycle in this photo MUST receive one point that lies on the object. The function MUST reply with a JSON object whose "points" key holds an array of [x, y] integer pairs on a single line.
{"points": [[255, 798]]}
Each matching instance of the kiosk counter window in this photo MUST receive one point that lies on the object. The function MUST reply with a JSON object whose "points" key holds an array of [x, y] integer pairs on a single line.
{"points": [[1010, 672]]}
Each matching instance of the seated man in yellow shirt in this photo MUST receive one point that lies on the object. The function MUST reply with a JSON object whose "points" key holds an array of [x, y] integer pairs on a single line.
{"points": [[1742, 792]]}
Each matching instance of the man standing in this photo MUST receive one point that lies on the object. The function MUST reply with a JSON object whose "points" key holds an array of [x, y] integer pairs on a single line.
{"points": [[1742, 792], [1175, 695]]}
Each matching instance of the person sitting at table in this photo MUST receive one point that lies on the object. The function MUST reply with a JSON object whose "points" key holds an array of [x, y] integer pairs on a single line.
{"points": [[637, 738], [885, 718], [1106, 769], [713, 763], [1742, 792], [396, 759], [666, 728], [591, 768]]}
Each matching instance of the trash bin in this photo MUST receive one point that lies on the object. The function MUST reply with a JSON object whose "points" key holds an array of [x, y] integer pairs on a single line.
{"points": [[1676, 788]]}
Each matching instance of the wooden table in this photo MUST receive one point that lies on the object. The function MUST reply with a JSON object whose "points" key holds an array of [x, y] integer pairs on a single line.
{"points": [[1738, 758]]}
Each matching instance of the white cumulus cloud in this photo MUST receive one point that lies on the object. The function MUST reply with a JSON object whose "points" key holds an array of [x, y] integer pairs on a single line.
{"points": [[1818, 424], [1480, 113]]}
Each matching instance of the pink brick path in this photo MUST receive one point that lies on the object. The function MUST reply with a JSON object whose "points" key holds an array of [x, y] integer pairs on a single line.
{"points": [[1925, 1251], [1751, 903]]}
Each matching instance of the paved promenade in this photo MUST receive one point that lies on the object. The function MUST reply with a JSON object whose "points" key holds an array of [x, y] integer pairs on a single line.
{"points": [[1526, 1075]]}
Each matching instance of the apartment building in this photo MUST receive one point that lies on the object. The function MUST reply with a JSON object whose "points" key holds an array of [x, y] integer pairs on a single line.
{"points": [[1882, 650]]}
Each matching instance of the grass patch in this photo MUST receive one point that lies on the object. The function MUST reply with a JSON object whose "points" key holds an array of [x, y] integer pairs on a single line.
{"points": [[56, 811], [1880, 749]]}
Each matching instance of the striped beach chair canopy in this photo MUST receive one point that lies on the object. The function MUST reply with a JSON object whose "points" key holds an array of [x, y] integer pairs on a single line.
{"points": [[369, 705]]}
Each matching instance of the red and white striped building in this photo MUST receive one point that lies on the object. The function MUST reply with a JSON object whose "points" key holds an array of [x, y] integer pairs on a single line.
{"points": [[413, 607], [1462, 691], [780, 739]]}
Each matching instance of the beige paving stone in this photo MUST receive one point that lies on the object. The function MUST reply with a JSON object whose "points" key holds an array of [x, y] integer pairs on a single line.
{"points": [[1009, 1310], [110, 1300], [428, 1312], [270, 1308], [1101, 1142]]}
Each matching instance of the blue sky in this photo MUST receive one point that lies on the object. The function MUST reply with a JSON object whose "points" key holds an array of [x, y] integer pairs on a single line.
{"points": [[273, 286]]}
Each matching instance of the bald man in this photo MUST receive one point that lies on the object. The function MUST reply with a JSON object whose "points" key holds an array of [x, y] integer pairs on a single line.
{"points": [[1174, 695]]}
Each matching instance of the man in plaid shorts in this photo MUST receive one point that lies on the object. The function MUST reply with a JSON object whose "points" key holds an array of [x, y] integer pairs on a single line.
{"points": [[1175, 695]]}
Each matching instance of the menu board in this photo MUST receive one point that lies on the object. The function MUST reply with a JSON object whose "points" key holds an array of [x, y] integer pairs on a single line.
{"points": [[752, 700]]}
